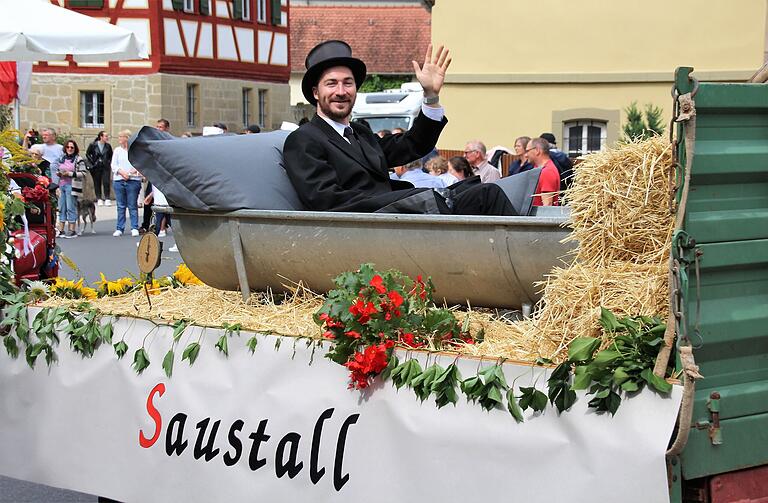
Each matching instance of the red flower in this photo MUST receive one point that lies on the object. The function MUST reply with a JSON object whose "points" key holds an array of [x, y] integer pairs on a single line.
{"points": [[378, 284], [37, 194], [366, 365], [362, 310], [43, 180], [353, 334], [395, 298], [330, 322], [410, 340], [328, 335], [419, 288]]}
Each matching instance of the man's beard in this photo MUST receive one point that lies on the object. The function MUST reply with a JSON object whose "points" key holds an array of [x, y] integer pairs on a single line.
{"points": [[332, 114]]}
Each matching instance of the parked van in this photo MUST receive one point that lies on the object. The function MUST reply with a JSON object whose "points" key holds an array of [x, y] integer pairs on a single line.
{"points": [[390, 109]]}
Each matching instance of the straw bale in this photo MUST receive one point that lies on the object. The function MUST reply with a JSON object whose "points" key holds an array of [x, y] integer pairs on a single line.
{"points": [[619, 204], [207, 306]]}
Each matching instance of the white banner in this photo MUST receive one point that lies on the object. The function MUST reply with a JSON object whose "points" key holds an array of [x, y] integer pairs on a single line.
{"points": [[272, 427]]}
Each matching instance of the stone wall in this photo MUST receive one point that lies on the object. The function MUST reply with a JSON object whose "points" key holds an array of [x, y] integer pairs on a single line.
{"points": [[220, 100], [131, 101]]}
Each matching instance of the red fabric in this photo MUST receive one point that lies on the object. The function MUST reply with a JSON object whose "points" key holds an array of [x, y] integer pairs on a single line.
{"points": [[29, 262], [549, 181], [9, 86]]}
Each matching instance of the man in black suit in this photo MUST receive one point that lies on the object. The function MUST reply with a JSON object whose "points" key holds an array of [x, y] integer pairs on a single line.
{"points": [[341, 166]]}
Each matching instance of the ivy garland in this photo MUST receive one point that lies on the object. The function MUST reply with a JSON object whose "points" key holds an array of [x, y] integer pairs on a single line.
{"points": [[623, 365]]}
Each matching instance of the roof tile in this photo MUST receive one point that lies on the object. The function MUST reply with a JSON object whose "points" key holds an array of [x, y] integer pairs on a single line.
{"points": [[387, 39]]}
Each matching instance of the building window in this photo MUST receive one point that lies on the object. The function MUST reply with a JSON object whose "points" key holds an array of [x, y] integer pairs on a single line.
{"points": [[192, 100], [262, 107], [93, 4], [189, 6], [92, 109], [584, 136], [276, 13], [205, 7], [261, 11], [241, 9], [247, 98]]}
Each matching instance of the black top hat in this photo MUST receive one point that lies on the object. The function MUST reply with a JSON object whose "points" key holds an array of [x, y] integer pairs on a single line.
{"points": [[326, 55]]}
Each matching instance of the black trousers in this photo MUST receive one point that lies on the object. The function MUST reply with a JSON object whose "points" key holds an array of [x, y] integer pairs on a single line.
{"points": [[147, 217], [482, 199], [102, 181]]}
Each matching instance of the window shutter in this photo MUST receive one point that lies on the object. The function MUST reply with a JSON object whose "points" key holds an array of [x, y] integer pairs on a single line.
{"points": [[178, 4], [276, 13], [204, 7], [237, 9], [86, 3]]}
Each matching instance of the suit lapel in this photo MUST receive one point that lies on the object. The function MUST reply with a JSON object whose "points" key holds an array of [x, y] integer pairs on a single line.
{"points": [[364, 158]]}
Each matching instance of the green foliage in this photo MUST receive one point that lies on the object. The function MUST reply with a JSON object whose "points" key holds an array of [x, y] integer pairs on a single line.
{"points": [[140, 360], [190, 353], [488, 387], [252, 343], [445, 384], [168, 363], [625, 365], [533, 399], [513, 407], [642, 126], [375, 82], [120, 349]]}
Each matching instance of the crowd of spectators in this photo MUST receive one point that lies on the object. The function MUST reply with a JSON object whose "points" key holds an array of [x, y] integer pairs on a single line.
{"points": [[103, 176], [435, 171]]}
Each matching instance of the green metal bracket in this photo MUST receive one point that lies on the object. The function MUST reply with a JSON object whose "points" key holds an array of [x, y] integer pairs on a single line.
{"points": [[675, 480], [713, 425], [683, 81]]}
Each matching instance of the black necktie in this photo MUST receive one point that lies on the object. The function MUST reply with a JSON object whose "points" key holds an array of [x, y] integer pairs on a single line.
{"points": [[350, 135]]}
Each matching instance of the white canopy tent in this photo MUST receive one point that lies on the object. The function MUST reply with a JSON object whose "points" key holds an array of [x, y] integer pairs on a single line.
{"points": [[36, 30]]}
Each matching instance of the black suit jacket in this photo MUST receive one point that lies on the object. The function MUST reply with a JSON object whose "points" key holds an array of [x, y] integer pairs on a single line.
{"points": [[330, 174]]}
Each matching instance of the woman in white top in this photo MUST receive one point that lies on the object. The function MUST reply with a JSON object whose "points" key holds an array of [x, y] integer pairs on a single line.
{"points": [[126, 181]]}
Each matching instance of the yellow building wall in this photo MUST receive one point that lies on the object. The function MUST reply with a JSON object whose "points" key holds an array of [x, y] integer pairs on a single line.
{"points": [[517, 64]]}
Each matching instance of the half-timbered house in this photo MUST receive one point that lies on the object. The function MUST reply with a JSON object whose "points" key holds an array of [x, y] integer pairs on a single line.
{"points": [[210, 61]]}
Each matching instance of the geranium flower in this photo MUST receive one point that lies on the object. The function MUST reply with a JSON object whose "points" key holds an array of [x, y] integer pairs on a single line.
{"points": [[395, 298], [410, 340], [363, 310], [353, 334], [378, 284], [366, 365]]}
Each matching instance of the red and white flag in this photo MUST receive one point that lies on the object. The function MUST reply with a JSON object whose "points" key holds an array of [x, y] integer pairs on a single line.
{"points": [[15, 80]]}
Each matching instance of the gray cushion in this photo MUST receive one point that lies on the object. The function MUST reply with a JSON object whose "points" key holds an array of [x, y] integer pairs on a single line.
{"points": [[216, 173], [520, 188]]}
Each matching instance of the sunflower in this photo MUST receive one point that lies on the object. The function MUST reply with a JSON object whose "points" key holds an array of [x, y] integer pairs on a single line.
{"points": [[63, 287], [116, 287], [186, 277]]}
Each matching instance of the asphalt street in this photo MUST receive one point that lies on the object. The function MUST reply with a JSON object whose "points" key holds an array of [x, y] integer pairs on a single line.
{"points": [[93, 254], [114, 256]]}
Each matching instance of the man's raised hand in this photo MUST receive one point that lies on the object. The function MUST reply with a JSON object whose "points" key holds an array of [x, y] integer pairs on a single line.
{"points": [[432, 74]]}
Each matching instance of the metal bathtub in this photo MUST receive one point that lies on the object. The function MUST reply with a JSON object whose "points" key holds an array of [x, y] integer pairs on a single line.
{"points": [[480, 260]]}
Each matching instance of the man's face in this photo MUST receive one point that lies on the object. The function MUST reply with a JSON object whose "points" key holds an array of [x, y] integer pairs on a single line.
{"points": [[161, 126], [335, 93], [473, 155], [532, 153], [48, 138]]}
